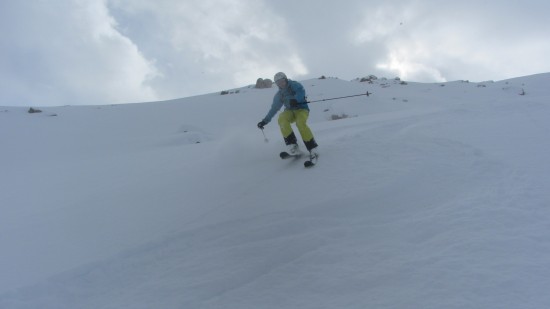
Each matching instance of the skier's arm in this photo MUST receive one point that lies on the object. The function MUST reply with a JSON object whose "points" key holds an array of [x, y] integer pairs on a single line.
{"points": [[275, 107]]}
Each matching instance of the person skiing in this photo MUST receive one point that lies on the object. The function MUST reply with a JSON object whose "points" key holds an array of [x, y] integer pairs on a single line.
{"points": [[292, 96]]}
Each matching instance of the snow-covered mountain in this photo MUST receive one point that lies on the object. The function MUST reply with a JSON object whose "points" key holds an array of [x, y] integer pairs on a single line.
{"points": [[425, 196]]}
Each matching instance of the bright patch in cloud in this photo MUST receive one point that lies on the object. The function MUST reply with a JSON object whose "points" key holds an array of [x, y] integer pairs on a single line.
{"points": [[408, 66]]}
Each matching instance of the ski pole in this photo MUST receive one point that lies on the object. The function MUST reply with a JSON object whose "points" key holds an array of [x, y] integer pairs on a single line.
{"points": [[349, 96], [265, 137]]}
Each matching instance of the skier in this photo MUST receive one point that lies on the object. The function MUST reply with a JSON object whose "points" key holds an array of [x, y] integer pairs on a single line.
{"points": [[292, 95]]}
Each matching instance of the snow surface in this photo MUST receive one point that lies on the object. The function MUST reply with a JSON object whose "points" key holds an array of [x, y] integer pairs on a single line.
{"points": [[425, 196]]}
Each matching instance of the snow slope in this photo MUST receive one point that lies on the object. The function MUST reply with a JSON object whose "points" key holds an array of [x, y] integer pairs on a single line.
{"points": [[425, 196]]}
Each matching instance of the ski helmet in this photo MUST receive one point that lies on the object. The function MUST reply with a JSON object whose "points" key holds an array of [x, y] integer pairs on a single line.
{"points": [[279, 76]]}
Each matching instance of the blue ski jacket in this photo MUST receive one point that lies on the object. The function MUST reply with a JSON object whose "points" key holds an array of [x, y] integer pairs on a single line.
{"points": [[293, 90]]}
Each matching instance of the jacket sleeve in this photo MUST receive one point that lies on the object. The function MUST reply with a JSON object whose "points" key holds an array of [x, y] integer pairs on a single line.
{"points": [[275, 107]]}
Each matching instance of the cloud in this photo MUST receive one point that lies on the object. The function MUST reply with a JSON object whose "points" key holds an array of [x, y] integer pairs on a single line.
{"points": [[69, 52], [429, 41], [382, 22], [210, 44], [113, 51]]}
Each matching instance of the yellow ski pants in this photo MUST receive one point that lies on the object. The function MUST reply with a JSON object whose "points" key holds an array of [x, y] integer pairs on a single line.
{"points": [[300, 117]]}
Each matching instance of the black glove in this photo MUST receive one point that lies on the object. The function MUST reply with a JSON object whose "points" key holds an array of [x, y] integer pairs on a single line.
{"points": [[261, 124], [293, 103]]}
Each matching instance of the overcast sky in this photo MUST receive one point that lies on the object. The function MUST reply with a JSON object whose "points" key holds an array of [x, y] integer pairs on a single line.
{"points": [[73, 52]]}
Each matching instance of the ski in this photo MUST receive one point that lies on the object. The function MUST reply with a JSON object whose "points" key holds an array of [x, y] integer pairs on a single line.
{"points": [[312, 158]]}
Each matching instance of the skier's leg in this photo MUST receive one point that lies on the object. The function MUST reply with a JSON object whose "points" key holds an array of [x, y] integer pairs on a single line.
{"points": [[301, 123], [305, 131], [285, 119]]}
